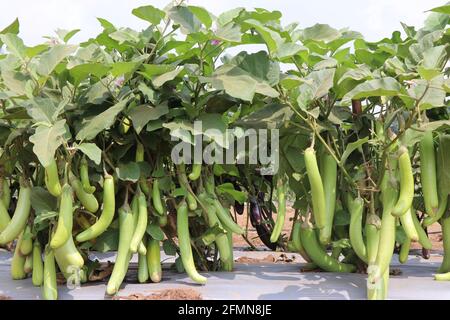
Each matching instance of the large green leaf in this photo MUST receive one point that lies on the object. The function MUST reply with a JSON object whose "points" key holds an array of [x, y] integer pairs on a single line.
{"points": [[159, 80], [50, 59], [238, 84], [264, 15], [373, 88], [362, 72], [92, 151], [185, 18], [228, 16], [142, 114], [288, 50], [106, 24], [44, 110], [152, 70], [128, 171], [409, 30], [155, 232], [352, 147], [169, 247], [202, 14], [149, 13], [346, 36], [258, 65], [47, 139], [320, 32], [98, 93], [228, 188], [436, 21], [428, 94], [101, 122], [415, 133], [342, 218], [182, 130], [125, 35], [289, 81], [416, 50], [66, 35], [245, 75], [17, 114], [272, 38], [124, 67], [42, 200], [316, 85], [9, 62], [445, 9], [435, 57], [15, 81], [148, 93], [396, 66], [295, 157], [214, 128], [107, 241], [230, 32], [270, 116], [181, 47], [323, 63], [82, 71], [14, 44], [12, 28]]}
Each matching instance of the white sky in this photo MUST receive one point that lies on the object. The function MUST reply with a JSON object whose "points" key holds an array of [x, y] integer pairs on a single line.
{"points": [[375, 19]]}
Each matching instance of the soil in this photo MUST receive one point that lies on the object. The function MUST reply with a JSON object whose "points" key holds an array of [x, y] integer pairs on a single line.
{"points": [[268, 259], [102, 272], [395, 272], [168, 294], [282, 258]]}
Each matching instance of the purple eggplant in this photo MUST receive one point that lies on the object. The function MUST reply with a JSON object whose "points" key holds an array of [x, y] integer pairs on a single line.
{"points": [[264, 233], [255, 212], [238, 208]]}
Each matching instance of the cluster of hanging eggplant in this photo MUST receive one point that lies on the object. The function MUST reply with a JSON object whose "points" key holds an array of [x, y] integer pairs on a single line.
{"points": [[373, 243], [142, 205], [371, 246]]}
